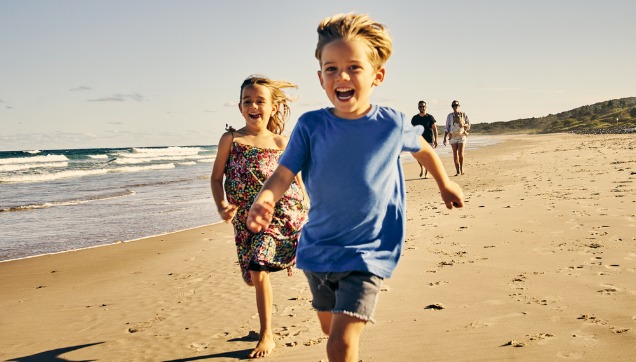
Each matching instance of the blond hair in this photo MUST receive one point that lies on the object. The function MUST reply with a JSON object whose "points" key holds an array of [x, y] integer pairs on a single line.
{"points": [[360, 27], [277, 121]]}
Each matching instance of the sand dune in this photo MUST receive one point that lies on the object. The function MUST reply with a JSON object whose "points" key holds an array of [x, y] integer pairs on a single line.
{"points": [[539, 265]]}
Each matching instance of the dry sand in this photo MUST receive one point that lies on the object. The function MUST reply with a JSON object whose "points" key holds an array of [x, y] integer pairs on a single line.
{"points": [[539, 266]]}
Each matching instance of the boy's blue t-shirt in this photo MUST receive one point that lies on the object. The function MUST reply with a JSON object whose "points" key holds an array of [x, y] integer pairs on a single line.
{"points": [[353, 175]]}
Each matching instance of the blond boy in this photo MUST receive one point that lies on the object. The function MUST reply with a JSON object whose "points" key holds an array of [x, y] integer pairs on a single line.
{"points": [[349, 158]]}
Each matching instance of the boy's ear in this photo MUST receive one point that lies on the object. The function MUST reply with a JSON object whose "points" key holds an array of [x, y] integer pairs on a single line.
{"points": [[379, 76], [320, 79]]}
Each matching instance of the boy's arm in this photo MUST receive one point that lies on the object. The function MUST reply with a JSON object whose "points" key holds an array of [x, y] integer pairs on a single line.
{"points": [[451, 192], [262, 210]]}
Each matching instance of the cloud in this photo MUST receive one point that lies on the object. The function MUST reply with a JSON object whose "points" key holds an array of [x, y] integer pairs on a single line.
{"points": [[115, 123], [120, 98], [230, 104], [80, 88]]}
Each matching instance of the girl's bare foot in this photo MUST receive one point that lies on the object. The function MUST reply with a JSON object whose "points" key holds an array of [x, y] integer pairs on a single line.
{"points": [[264, 347]]}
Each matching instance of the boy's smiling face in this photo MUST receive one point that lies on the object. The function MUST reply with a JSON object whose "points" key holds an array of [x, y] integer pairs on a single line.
{"points": [[348, 77]]}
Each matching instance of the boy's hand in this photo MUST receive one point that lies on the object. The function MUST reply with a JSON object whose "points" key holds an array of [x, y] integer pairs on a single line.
{"points": [[260, 216], [228, 212], [452, 195]]}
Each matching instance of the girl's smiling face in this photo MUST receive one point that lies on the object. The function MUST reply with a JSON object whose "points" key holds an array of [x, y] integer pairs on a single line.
{"points": [[256, 106], [348, 77]]}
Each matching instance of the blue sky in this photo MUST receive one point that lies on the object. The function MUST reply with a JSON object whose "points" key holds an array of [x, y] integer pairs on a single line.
{"points": [[119, 73]]}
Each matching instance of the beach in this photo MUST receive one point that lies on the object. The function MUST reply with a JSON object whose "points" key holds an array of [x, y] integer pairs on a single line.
{"points": [[540, 265]]}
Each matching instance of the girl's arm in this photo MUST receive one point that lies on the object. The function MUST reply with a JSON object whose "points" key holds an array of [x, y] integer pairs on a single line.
{"points": [[262, 210], [451, 192], [299, 181], [226, 210]]}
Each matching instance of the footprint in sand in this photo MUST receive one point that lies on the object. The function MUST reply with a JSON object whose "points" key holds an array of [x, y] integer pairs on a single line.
{"points": [[608, 289], [198, 346], [570, 355], [583, 339]]}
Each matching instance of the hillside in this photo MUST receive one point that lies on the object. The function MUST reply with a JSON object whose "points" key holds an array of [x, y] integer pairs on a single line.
{"points": [[596, 118]]}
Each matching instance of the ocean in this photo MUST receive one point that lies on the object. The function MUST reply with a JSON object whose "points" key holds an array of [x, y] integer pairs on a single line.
{"points": [[59, 200]]}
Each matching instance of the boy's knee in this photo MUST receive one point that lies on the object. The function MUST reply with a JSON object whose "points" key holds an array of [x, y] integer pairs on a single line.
{"points": [[338, 347]]}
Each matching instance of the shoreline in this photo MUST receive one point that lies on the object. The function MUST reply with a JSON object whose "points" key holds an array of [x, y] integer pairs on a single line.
{"points": [[110, 244], [541, 258]]}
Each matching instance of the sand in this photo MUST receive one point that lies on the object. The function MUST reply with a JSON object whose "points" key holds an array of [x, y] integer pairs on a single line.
{"points": [[540, 265]]}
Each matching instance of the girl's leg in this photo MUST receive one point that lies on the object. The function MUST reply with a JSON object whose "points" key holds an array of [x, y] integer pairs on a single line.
{"points": [[460, 153], [264, 302], [455, 146], [344, 338]]}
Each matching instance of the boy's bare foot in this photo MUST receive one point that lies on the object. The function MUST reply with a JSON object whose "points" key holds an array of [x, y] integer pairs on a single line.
{"points": [[263, 348]]}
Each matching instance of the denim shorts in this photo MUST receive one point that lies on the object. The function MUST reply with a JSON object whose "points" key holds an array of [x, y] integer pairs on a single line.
{"points": [[354, 293], [454, 141]]}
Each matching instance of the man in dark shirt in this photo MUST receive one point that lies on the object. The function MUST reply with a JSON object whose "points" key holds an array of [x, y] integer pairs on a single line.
{"points": [[430, 129]]}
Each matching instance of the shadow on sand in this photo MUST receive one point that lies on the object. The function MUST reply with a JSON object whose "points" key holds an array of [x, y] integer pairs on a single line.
{"points": [[52, 355], [239, 355]]}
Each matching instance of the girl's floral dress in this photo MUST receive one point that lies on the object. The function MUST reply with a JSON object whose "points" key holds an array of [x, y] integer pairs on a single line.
{"points": [[247, 168]]}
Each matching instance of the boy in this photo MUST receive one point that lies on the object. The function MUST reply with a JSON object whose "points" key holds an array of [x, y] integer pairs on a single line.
{"points": [[349, 158]]}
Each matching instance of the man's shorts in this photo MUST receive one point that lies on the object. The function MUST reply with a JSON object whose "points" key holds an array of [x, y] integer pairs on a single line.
{"points": [[353, 293], [454, 141]]}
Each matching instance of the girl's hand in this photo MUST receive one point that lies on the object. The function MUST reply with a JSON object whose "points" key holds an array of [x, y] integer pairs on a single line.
{"points": [[228, 212], [260, 216]]}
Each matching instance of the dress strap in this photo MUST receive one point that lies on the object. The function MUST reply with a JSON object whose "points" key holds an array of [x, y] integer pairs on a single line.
{"points": [[230, 129]]}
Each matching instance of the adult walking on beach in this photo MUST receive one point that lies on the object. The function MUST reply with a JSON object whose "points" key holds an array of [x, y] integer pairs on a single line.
{"points": [[457, 126], [430, 129]]}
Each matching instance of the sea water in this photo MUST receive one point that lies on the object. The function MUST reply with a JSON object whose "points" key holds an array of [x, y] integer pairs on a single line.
{"points": [[59, 200]]}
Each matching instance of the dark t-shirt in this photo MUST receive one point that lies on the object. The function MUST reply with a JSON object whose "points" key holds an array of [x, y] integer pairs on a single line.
{"points": [[427, 121]]}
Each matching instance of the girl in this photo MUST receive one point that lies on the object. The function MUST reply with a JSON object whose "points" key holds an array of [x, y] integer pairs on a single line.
{"points": [[246, 158]]}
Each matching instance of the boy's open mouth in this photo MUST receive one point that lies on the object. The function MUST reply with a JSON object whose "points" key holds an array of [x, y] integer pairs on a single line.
{"points": [[344, 94]]}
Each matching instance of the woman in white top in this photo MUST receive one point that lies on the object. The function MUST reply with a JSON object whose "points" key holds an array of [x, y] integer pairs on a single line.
{"points": [[457, 126]]}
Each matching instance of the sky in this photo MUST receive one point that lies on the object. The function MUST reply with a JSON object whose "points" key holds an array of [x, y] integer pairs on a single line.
{"points": [[134, 73]]}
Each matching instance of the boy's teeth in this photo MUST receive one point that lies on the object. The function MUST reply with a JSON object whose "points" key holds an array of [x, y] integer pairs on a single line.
{"points": [[344, 93]]}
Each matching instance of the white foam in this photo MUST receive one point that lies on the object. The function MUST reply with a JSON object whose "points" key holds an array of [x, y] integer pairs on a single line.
{"points": [[34, 159], [80, 173], [26, 166]]}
